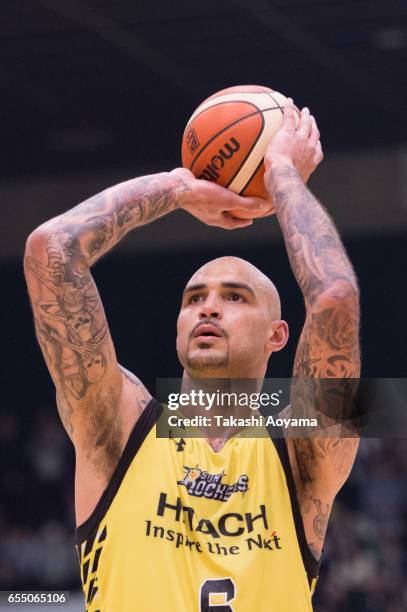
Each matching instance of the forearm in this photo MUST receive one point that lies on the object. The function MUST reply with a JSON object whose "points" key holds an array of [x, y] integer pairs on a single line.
{"points": [[95, 226], [315, 250]]}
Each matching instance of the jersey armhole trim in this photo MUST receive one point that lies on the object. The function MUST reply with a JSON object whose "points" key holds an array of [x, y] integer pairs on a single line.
{"points": [[310, 563], [138, 434]]}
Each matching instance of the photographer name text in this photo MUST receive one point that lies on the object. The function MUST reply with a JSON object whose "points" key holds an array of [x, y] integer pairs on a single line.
{"points": [[232, 421]]}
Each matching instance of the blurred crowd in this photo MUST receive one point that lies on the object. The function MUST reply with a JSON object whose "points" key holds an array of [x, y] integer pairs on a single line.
{"points": [[365, 556], [364, 565], [36, 503]]}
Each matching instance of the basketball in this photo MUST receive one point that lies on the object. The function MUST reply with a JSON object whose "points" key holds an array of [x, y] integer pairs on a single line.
{"points": [[226, 138]]}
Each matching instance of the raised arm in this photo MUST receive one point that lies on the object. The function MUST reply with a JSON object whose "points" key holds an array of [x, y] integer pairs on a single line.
{"points": [[98, 400], [70, 322], [329, 343]]}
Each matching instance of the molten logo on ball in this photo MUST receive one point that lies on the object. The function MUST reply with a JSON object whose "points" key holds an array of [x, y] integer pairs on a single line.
{"points": [[210, 173], [192, 140]]}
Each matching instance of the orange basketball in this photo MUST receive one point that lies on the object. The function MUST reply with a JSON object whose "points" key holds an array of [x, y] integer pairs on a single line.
{"points": [[226, 138]]}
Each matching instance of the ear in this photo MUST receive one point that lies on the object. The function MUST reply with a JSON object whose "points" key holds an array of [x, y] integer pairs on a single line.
{"points": [[278, 336]]}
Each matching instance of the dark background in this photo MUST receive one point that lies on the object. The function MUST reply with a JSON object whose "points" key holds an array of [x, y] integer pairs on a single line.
{"points": [[127, 75], [95, 92]]}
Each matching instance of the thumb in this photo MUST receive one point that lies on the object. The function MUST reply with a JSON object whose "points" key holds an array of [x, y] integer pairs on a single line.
{"points": [[251, 203], [289, 116], [231, 222]]}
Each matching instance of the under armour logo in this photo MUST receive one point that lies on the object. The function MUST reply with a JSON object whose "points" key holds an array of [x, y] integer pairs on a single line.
{"points": [[180, 445]]}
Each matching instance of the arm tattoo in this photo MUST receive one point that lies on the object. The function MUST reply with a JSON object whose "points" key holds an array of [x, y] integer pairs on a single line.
{"points": [[329, 343], [102, 221], [320, 522], [327, 359], [316, 253], [319, 512], [70, 323]]}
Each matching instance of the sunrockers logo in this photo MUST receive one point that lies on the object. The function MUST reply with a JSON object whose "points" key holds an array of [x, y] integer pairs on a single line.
{"points": [[202, 484]]}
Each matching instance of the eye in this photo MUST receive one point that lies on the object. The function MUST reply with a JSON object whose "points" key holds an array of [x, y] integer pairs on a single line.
{"points": [[235, 297], [195, 299]]}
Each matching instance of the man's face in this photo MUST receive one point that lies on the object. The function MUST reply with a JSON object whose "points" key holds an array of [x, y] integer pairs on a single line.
{"points": [[226, 320]]}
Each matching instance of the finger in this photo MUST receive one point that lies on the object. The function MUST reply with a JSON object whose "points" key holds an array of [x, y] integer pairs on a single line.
{"points": [[230, 222], [230, 201], [289, 116], [256, 206], [304, 128], [319, 154], [315, 135]]}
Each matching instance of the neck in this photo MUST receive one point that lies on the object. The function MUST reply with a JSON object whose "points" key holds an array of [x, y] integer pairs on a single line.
{"points": [[219, 396]]}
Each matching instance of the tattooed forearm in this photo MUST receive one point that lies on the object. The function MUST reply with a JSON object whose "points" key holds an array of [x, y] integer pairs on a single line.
{"points": [[316, 253], [102, 221]]}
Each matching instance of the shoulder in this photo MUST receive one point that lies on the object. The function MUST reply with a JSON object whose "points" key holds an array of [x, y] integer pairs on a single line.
{"points": [[99, 450]]}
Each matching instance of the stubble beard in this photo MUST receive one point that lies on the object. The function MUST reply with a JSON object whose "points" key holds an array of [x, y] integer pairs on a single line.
{"points": [[207, 363]]}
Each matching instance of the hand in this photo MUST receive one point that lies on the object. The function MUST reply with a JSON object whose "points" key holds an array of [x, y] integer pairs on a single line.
{"points": [[295, 145], [214, 205]]}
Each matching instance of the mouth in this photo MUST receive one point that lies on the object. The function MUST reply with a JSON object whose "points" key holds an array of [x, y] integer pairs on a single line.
{"points": [[206, 330]]}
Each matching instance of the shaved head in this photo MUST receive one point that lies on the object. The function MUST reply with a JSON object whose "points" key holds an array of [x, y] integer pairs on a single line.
{"points": [[244, 271]]}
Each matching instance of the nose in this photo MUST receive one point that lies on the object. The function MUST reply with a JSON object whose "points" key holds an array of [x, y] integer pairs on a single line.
{"points": [[211, 308]]}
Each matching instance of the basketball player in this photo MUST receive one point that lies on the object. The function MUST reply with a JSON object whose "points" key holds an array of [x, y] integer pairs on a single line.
{"points": [[250, 536]]}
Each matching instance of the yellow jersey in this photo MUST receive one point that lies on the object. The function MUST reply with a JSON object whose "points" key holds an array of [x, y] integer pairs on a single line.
{"points": [[182, 528]]}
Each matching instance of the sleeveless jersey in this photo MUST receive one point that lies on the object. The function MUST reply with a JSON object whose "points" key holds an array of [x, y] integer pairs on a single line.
{"points": [[182, 528]]}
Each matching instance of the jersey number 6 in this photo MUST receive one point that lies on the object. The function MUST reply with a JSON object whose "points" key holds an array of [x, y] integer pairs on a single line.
{"points": [[224, 586]]}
